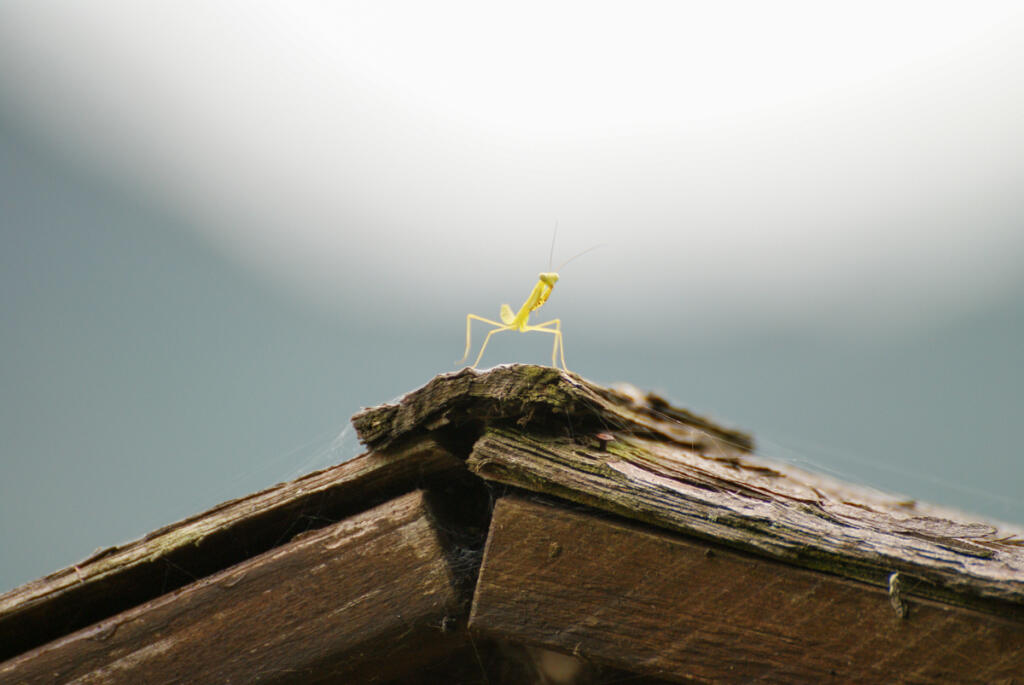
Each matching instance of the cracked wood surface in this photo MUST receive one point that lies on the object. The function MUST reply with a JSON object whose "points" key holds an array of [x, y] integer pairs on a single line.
{"points": [[633, 454], [665, 605], [670, 472], [532, 396], [363, 599], [118, 578]]}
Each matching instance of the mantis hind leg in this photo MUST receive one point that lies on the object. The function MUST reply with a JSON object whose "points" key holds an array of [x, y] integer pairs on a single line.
{"points": [[469, 324], [487, 340], [558, 349]]}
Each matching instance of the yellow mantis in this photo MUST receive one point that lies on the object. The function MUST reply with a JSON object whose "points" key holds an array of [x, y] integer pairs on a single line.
{"points": [[520, 321]]}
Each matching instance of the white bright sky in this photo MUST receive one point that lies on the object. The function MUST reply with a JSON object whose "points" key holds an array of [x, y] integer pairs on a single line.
{"points": [[783, 161]]}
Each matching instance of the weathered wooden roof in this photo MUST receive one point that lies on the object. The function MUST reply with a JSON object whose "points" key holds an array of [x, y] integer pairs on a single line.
{"points": [[634, 536], [633, 454]]}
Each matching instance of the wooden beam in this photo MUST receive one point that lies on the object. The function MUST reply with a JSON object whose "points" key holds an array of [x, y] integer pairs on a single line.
{"points": [[661, 604], [538, 396], [371, 596], [725, 566], [767, 508], [118, 578], [632, 454]]}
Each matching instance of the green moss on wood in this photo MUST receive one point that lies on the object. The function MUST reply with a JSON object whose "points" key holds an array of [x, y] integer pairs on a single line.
{"points": [[634, 455]]}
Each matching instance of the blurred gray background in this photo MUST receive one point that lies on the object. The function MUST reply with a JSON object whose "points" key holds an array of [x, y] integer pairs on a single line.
{"points": [[227, 227]]}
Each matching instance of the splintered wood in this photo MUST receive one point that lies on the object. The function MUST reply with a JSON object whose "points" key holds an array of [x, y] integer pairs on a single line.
{"points": [[634, 455], [118, 578], [359, 600], [627, 540]]}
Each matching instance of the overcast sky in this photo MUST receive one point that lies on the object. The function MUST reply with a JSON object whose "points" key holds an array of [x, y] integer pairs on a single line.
{"points": [[770, 160]]}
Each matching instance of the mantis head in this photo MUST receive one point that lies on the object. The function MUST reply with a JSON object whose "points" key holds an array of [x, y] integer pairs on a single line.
{"points": [[549, 278]]}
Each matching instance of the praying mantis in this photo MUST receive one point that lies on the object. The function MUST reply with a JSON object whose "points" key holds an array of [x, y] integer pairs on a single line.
{"points": [[520, 321]]}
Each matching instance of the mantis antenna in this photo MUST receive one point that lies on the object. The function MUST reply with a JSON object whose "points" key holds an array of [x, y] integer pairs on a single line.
{"points": [[551, 255], [589, 249], [520, 321]]}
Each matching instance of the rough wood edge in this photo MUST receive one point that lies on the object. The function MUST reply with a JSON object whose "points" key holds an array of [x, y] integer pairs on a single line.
{"points": [[536, 396], [285, 601], [688, 468], [655, 602], [815, 523], [116, 578]]}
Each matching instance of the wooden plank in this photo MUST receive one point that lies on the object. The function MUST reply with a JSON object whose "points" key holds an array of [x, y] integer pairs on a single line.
{"points": [[490, 662], [661, 604], [370, 597], [633, 454], [767, 508], [118, 578], [539, 396]]}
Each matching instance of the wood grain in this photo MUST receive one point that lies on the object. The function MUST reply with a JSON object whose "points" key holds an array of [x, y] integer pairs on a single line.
{"points": [[724, 566], [118, 578], [536, 396], [634, 454], [677, 608], [767, 508], [362, 600]]}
